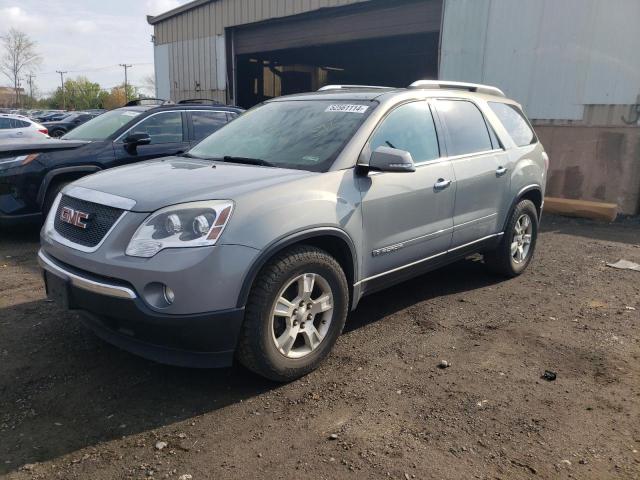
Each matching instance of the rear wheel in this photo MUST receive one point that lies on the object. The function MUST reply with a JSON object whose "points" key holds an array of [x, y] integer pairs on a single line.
{"points": [[56, 133], [296, 311], [518, 243]]}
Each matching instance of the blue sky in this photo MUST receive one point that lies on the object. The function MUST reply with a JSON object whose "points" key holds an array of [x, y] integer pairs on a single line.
{"points": [[87, 37]]}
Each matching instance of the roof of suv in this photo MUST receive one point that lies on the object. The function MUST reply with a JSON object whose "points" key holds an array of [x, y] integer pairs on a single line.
{"points": [[425, 87], [146, 108]]}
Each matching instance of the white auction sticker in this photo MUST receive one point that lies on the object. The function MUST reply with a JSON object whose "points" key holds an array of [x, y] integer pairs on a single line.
{"points": [[345, 108]]}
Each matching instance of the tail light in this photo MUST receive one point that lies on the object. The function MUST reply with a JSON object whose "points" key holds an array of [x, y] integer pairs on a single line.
{"points": [[43, 131]]}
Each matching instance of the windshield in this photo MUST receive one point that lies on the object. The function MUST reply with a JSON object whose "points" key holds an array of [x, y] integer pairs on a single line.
{"points": [[101, 127], [304, 135]]}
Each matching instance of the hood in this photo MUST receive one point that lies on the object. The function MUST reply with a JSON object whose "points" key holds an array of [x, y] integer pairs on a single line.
{"points": [[38, 145], [158, 183]]}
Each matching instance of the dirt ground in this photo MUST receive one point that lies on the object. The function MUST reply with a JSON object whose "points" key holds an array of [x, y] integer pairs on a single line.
{"points": [[73, 407]]}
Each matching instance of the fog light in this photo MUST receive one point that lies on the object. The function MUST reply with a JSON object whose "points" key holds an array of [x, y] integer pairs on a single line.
{"points": [[169, 296]]}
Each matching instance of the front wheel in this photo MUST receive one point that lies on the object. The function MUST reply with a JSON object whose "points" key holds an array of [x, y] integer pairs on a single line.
{"points": [[295, 313], [518, 243]]}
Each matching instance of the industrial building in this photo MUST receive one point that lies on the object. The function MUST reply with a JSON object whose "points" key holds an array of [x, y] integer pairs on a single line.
{"points": [[574, 65]]}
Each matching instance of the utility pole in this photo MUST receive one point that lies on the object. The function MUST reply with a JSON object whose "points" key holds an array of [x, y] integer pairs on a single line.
{"points": [[126, 94], [31, 77], [64, 100]]}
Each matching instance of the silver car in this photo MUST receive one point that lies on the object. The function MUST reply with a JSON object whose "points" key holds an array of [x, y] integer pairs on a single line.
{"points": [[18, 126], [256, 243]]}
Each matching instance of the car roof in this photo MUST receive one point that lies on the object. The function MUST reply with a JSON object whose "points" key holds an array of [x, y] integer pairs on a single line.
{"points": [[420, 88], [170, 107]]}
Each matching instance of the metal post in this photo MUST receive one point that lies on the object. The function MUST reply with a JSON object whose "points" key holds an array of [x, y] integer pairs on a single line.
{"points": [[64, 100], [126, 95]]}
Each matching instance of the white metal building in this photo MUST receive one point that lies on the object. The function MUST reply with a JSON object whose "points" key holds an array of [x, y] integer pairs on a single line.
{"points": [[573, 64]]}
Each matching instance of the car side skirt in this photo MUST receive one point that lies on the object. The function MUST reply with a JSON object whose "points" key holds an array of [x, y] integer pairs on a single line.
{"points": [[403, 273]]}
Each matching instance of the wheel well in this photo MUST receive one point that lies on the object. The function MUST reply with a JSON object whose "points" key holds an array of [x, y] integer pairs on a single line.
{"points": [[63, 177], [535, 196], [335, 246]]}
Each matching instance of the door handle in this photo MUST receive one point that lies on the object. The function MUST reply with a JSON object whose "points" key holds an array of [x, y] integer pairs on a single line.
{"points": [[501, 171], [441, 184]]}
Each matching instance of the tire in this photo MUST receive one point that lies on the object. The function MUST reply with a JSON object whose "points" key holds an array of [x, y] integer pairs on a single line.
{"points": [[57, 133], [505, 261], [265, 346], [50, 196]]}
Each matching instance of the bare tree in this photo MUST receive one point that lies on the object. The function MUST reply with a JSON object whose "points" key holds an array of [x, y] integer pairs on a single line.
{"points": [[149, 84], [19, 53]]}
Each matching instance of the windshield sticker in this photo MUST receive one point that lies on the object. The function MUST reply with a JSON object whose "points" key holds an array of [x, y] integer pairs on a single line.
{"points": [[131, 114], [344, 108]]}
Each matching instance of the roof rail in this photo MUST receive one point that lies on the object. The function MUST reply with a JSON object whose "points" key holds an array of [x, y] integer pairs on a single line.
{"points": [[344, 87], [199, 101], [147, 101], [472, 87]]}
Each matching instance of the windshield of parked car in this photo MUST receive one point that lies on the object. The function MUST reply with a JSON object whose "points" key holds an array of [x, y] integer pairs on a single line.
{"points": [[103, 126], [299, 134]]}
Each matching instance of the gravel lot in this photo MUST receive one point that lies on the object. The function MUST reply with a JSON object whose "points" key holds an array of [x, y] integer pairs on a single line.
{"points": [[73, 407]]}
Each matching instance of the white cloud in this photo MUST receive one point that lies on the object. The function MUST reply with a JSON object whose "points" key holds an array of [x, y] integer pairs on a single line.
{"points": [[18, 18], [81, 26], [156, 7]]}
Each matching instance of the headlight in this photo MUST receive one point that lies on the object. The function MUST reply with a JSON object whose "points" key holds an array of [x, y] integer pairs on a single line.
{"points": [[194, 224], [18, 161]]}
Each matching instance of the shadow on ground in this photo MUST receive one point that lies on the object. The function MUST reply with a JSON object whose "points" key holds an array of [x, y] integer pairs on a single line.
{"points": [[625, 231], [63, 389]]}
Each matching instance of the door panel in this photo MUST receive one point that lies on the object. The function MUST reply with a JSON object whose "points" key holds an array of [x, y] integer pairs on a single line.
{"points": [[405, 218], [478, 198]]}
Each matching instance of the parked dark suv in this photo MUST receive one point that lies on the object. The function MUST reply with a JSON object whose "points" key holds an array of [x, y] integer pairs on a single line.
{"points": [[58, 128], [32, 174]]}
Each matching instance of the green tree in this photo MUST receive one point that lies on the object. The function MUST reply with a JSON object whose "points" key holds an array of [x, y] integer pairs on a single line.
{"points": [[79, 94]]}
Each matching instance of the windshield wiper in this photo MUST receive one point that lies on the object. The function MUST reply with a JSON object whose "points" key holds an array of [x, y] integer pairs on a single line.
{"points": [[248, 161]]}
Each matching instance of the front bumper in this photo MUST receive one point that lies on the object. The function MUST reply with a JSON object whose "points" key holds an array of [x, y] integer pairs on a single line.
{"points": [[114, 311]]}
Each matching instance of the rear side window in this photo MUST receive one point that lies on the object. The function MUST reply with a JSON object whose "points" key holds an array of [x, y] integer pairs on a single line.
{"points": [[409, 127], [466, 129], [205, 123], [15, 123], [514, 122]]}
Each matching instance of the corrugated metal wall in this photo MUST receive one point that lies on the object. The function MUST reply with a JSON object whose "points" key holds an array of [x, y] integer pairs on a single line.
{"points": [[554, 57], [192, 37]]}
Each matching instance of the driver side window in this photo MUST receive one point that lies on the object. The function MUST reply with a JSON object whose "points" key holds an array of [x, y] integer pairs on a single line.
{"points": [[409, 127], [163, 127]]}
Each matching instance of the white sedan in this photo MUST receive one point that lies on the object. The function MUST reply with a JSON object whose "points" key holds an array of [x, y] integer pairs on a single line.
{"points": [[19, 126]]}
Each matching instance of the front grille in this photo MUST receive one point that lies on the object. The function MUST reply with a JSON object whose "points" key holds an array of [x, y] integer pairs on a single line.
{"points": [[101, 219]]}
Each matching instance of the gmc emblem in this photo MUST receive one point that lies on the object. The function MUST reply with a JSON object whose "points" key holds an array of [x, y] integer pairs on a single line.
{"points": [[74, 217]]}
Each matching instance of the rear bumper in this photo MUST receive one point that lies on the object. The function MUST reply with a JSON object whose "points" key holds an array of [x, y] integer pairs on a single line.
{"points": [[117, 315]]}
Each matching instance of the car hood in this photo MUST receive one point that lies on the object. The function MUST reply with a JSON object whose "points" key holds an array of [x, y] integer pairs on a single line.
{"points": [[39, 145], [167, 181]]}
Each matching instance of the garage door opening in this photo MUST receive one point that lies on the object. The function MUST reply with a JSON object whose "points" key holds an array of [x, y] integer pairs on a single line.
{"points": [[393, 61], [377, 42]]}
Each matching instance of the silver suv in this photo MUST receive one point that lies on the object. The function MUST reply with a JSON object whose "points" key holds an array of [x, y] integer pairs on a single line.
{"points": [[257, 243]]}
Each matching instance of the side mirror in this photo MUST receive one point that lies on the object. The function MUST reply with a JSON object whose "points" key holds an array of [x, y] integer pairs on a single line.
{"points": [[387, 159], [135, 139]]}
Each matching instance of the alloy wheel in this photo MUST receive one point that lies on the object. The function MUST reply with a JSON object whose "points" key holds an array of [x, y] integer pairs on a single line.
{"points": [[521, 241], [301, 315]]}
